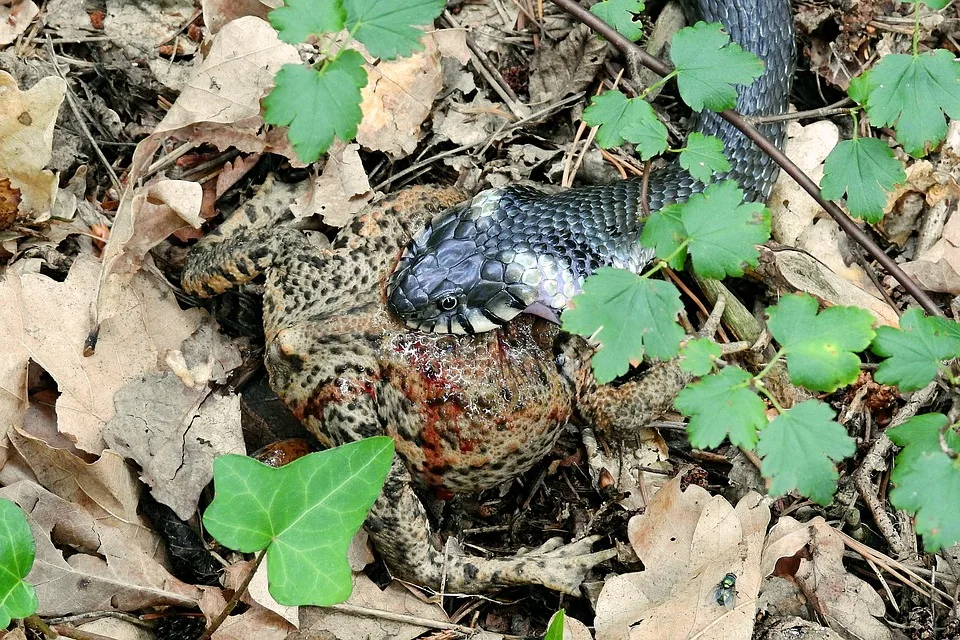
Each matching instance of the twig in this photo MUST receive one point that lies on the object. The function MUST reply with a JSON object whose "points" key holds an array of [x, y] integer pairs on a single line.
{"points": [[354, 610], [72, 102], [635, 53], [167, 160], [837, 108], [235, 600], [875, 461]]}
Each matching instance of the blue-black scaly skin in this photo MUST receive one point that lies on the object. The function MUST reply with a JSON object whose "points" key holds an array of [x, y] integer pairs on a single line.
{"points": [[514, 249]]}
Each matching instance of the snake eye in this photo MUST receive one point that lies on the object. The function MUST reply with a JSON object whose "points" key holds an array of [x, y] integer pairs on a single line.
{"points": [[447, 303]]}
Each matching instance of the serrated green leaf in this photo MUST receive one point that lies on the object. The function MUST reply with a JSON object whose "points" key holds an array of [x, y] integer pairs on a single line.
{"points": [[723, 230], [621, 15], [708, 65], [616, 115], [912, 93], [664, 232], [800, 448], [704, 156], [865, 169], [859, 89], [18, 599], [698, 356], [914, 351], [301, 93], [927, 479], [628, 315], [387, 27], [821, 348], [296, 20], [555, 630], [304, 514], [722, 406]]}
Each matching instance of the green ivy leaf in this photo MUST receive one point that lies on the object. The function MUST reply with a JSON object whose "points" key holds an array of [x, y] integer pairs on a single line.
{"points": [[722, 406], [304, 514], [621, 15], [555, 630], [927, 479], [296, 20], [912, 93], [300, 93], [914, 351], [704, 156], [17, 551], [664, 233], [621, 118], [386, 27], [708, 65], [865, 169], [699, 355], [628, 315], [821, 348], [800, 448], [723, 230]]}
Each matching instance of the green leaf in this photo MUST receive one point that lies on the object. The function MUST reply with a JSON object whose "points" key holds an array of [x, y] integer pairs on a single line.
{"points": [[386, 27], [301, 94], [708, 65], [704, 156], [17, 551], [628, 315], [723, 230], [821, 348], [927, 479], [914, 351], [936, 5], [555, 630], [304, 514], [621, 15], [865, 169], [621, 118], [664, 233], [913, 93], [296, 20], [722, 406], [800, 448], [859, 89], [699, 355]]}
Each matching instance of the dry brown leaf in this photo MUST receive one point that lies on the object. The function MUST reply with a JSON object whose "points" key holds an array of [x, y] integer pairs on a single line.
{"points": [[687, 542], [26, 138], [848, 604], [255, 622], [217, 13], [47, 322], [15, 17], [108, 572], [560, 68], [141, 28], [394, 599], [398, 98], [340, 191], [626, 466], [174, 433]]}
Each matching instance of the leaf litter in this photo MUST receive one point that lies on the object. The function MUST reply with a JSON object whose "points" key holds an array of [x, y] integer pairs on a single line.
{"points": [[153, 360]]}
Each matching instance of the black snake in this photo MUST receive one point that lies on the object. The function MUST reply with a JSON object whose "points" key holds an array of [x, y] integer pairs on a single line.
{"points": [[515, 249]]}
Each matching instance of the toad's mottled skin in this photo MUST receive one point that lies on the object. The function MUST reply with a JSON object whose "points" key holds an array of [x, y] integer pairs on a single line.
{"points": [[467, 413]]}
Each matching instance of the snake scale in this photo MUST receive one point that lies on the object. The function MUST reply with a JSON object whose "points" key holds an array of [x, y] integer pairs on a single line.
{"points": [[516, 249]]}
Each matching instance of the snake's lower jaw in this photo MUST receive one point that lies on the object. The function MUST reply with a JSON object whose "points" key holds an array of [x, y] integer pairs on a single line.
{"points": [[543, 311]]}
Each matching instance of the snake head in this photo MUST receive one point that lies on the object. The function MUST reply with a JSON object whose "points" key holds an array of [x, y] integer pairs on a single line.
{"points": [[444, 283]]}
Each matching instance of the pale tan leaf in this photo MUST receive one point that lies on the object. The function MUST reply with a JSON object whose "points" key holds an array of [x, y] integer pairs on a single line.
{"points": [[15, 17]]}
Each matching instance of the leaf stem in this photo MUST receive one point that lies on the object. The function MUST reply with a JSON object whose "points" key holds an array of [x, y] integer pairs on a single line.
{"points": [[235, 600], [665, 261]]}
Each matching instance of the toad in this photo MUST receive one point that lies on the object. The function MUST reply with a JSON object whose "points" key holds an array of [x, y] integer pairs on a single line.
{"points": [[466, 412]]}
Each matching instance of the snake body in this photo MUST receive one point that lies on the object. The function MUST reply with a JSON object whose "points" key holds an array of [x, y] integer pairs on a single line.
{"points": [[515, 249]]}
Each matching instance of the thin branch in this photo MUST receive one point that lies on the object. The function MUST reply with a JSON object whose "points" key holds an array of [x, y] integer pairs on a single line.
{"points": [[634, 53]]}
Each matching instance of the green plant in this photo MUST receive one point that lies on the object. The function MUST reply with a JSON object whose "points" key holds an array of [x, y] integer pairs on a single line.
{"points": [[322, 101], [630, 316], [18, 599], [303, 515]]}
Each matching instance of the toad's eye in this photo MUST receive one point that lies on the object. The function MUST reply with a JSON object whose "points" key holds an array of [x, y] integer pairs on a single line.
{"points": [[447, 303]]}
